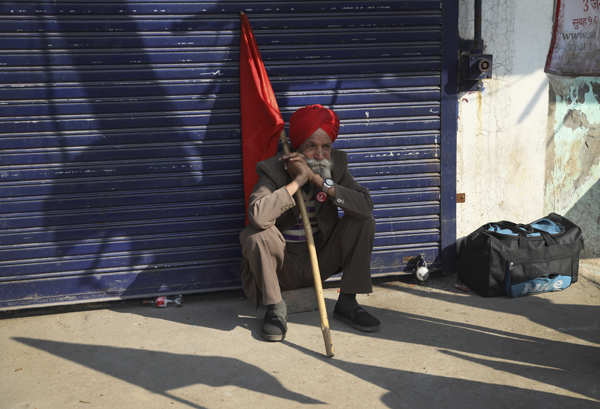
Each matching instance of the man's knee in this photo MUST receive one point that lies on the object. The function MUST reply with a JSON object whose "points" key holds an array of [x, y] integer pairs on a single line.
{"points": [[363, 226], [251, 239], [370, 224]]}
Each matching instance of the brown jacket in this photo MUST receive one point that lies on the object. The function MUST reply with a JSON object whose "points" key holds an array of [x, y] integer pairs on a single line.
{"points": [[270, 203]]}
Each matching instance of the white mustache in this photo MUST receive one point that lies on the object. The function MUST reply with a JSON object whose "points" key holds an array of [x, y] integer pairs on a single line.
{"points": [[322, 167]]}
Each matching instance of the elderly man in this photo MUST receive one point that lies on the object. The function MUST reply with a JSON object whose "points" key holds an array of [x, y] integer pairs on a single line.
{"points": [[274, 243]]}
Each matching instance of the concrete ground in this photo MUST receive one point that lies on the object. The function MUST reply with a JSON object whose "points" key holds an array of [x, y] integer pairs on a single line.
{"points": [[439, 347]]}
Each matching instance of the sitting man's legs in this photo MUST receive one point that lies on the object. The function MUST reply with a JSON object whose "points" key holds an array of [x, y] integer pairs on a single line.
{"points": [[349, 250], [263, 252], [273, 266]]}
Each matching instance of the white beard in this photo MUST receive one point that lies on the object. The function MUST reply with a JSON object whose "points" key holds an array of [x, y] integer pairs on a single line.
{"points": [[322, 167]]}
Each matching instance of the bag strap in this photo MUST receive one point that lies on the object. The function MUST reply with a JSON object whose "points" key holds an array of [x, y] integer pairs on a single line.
{"points": [[514, 227], [550, 241], [524, 229], [508, 278]]}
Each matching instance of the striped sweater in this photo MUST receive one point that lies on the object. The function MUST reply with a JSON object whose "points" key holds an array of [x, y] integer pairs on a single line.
{"points": [[296, 233]]}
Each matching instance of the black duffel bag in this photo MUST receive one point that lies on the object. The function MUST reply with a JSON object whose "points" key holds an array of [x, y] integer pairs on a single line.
{"points": [[503, 254]]}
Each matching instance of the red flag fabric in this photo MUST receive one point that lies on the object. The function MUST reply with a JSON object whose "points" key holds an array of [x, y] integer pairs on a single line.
{"points": [[261, 120]]}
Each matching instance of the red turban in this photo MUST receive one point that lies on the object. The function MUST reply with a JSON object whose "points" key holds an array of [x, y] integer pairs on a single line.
{"points": [[305, 121]]}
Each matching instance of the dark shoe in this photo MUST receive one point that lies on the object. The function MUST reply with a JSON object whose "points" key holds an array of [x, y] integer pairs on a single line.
{"points": [[356, 317], [274, 325]]}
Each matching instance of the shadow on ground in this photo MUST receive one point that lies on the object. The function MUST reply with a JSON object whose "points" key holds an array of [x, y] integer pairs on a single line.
{"points": [[565, 365], [160, 372], [406, 389]]}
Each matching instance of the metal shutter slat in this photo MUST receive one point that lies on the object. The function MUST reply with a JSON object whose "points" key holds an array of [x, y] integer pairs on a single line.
{"points": [[119, 130]]}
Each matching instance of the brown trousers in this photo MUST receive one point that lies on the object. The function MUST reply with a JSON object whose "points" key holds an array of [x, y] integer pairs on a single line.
{"points": [[274, 265]]}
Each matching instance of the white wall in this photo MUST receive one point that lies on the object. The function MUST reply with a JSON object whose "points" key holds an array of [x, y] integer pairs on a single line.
{"points": [[502, 131]]}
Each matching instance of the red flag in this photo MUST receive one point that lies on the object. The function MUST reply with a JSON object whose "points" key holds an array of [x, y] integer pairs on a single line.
{"points": [[261, 120]]}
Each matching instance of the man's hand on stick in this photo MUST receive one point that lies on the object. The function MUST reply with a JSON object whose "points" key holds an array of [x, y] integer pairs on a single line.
{"points": [[297, 168]]}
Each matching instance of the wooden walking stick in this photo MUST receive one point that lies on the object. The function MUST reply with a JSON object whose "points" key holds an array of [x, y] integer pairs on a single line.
{"points": [[312, 251]]}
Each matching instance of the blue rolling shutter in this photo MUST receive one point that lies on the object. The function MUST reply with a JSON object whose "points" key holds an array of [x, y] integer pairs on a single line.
{"points": [[120, 165]]}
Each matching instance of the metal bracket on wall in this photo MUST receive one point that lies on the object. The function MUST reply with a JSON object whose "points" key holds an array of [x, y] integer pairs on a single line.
{"points": [[474, 65]]}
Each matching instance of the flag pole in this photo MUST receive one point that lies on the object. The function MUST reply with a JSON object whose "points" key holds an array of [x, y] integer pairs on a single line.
{"points": [[312, 251], [261, 122]]}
